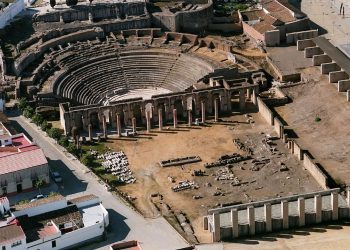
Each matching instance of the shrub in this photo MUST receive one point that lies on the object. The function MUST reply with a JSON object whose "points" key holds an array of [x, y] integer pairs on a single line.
{"points": [[37, 119], [317, 119], [28, 112], [22, 104], [63, 141], [87, 159], [45, 126], [54, 133], [71, 148]]}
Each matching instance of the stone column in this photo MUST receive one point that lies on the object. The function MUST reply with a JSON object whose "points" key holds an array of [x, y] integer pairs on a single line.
{"points": [[160, 119], [104, 125], [251, 219], [248, 93], [90, 131], [234, 223], [348, 198], [318, 208], [216, 109], [203, 111], [334, 200], [241, 100], [254, 96], [216, 233], [148, 121], [133, 121], [175, 118], [301, 211], [268, 220], [119, 127], [189, 118], [285, 214]]}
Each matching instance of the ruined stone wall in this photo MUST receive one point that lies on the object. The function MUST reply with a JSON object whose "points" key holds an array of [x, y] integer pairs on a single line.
{"points": [[97, 11], [192, 21]]}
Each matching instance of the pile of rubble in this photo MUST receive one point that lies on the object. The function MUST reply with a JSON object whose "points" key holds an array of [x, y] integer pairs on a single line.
{"points": [[183, 185], [227, 159], [259, 164], [226, 174], [240, 145], [117, 164], [269, 144]]}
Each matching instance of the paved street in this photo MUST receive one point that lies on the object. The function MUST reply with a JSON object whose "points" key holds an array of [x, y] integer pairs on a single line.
{"points": [[153, 234]]}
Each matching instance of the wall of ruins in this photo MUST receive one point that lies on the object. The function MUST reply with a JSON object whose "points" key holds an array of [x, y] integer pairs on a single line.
{"points": [[337, 76], [272, 38], [302, 44], [293, 37], [96, 12], [278, 126], [250, 31], [317, 60], [329, 67], [295, 26], [315, 171], [192, 21], [265, 111], [26, 59], [297, 150], [311, 51], [343, 85]]}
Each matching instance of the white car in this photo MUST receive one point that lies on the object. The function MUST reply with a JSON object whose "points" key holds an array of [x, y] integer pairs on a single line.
{"points": [[56, 177]]}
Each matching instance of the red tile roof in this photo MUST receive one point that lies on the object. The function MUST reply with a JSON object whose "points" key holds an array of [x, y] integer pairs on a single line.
{"points": [[11, 233], [22, 160]]}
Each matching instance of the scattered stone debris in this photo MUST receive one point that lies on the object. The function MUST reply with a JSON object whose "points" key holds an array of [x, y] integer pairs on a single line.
{"points": [[180, 161], [183, 185], [284, 168], [227, 159], [240, 145], [117, 164], [198, 173]]}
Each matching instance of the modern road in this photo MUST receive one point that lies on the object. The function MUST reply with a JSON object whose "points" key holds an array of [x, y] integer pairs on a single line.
{"points": [[127, 224]]}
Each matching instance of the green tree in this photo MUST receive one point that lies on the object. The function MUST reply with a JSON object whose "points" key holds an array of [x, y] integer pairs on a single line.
{"points": [[28, 112], [54, 133], [71, 148], [22, 104], [45, 125], [39, 183], [87, 159], [37, 119], [63, 141]]}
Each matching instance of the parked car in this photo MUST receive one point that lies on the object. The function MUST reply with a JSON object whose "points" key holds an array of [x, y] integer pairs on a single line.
{"points": [[56, 177], [38, 197]]}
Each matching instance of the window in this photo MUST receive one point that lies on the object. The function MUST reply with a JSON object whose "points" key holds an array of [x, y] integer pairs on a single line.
{"points": [[17, 243], [53, 243], [3, 247]]}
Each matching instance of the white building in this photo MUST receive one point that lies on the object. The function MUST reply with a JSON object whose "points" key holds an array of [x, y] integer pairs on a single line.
{"points": [[52, 223]]}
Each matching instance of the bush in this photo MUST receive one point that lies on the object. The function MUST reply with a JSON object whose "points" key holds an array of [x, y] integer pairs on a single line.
{"points": [[54, 133], [28, 112], [71, 148], [37, 119], [317, 119], [22, 104], [63, 141], [45, 126], [87, 159]]}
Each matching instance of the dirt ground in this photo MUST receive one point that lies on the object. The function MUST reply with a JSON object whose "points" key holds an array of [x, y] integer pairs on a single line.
{"points": [[329, 139], [210, 143]]}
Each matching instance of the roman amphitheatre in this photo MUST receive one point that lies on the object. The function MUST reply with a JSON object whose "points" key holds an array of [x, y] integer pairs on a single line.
{"points": [[150, 84]]}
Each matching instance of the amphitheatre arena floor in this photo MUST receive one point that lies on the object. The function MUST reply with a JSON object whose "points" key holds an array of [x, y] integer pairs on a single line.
{"points": [[209, 143], [328, 140]]}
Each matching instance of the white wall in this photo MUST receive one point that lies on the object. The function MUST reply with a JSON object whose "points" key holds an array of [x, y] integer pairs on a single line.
{"points": [[23, 246], [44, 208], [10, 12]]}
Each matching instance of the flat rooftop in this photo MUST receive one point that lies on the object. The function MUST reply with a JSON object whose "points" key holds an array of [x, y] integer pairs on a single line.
{"points": [[10, 233]]}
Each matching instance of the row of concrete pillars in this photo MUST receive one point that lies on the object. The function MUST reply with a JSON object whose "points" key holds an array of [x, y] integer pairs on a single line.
{"points": [[216, 231]]}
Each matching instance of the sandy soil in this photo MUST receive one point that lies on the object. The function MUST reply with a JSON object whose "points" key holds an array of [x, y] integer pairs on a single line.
{"points": [[209, 143], [327, 140]]}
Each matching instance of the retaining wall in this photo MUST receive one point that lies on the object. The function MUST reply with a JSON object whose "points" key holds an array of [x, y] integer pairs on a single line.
{"points": [[292, 38], [317, 60], [315, 171], [311, 51], [265, 111]]}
